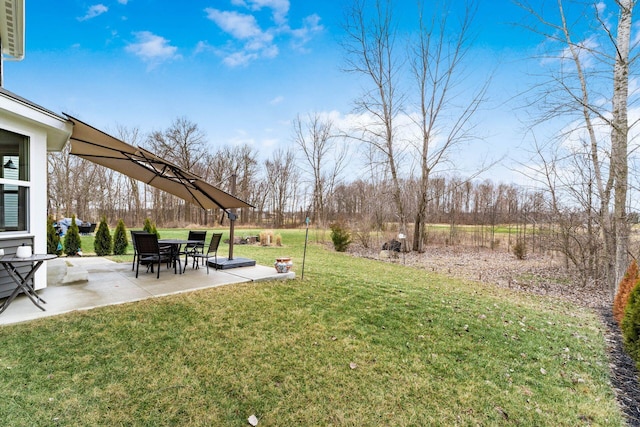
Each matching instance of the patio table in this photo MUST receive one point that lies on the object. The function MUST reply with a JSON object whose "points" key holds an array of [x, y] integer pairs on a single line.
{"points": [[175, 250], [24, 283]]}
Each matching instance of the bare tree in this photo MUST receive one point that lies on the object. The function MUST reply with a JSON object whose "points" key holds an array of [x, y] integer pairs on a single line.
{"points": [[184, 144], [438, 64], [323, 157], [587, 63], [72, 184], [281, 177], [620, 134], [134, 200], [371, 53]]}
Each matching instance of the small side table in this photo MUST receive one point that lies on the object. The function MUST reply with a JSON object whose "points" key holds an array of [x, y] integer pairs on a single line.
{"points": [[11, 264]]}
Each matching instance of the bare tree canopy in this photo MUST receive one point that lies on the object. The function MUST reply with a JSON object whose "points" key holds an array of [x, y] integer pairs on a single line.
{"points": [[588, 60], [323, 159], [424, 73]]}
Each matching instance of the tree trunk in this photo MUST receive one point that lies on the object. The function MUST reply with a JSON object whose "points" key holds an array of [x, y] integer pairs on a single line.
{"points": [[619, 144]]}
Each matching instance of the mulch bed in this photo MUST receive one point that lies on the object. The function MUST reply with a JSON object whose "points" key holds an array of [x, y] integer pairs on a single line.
{"points": [[624, 375], [539, 274]]}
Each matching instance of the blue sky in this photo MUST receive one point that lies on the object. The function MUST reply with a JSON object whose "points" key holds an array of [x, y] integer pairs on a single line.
{"points": [[241, 69]]}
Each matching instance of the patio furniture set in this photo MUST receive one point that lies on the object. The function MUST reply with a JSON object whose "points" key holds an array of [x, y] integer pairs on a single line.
{"points": [[149, 251]]}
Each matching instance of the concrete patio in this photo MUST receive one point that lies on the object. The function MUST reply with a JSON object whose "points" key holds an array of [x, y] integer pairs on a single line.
{"points": [[90, 282]]}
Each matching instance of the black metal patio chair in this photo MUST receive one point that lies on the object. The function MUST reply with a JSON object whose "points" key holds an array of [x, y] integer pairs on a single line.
{"points": [[212, 251], [150, 252], [135, 248], [191, 249]]}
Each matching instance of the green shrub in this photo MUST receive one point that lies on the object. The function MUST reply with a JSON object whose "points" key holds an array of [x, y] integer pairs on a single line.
{"points": [[120, 241], [53, 239], [340, 236], [102, 243], [631, 325], [146, 227], [150, 227], [72, 243]]}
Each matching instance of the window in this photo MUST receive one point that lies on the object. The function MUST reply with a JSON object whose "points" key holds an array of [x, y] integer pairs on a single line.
{"points": [[14, 181]]}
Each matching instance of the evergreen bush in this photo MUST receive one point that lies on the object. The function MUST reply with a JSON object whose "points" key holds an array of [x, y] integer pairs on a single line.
{"points": [[340, 236], [150, 227], [102, 243], [72, 243], [53, 239], [631, 325], [147, 225], [624, 289], [120, 241]]}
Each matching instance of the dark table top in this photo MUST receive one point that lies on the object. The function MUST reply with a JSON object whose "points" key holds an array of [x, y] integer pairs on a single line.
{"points": [[178, 241]]}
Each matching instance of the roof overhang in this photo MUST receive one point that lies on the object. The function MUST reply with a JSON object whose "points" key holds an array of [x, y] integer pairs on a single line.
{"points": [[58, 128], [12, 28]]}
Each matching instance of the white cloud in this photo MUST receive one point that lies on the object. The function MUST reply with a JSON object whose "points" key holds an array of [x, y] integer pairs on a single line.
{"points": [[237, 59], [242, 138], [250, 40], [244, 28], [123, 1], [584, 49], [152, 49], [311, 25], [277, 100], [93, 11], [238, 25], [280, 7], [203, 46]]}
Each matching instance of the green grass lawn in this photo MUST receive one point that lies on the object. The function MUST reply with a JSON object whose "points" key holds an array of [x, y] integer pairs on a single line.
{"points": [[357, 343]]}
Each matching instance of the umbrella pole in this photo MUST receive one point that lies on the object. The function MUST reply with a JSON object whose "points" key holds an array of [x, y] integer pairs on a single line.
{"points": [[232, 218], [232, 221]]}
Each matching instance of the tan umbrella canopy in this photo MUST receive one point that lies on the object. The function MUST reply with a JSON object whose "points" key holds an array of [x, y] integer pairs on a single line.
{"points": [[136, 162]]}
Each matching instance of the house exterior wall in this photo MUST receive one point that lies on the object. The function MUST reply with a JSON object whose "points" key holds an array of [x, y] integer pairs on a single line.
{"points": [[46, 132]]}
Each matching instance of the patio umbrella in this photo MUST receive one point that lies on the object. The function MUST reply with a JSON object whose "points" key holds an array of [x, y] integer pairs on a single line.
{"points": [[136, 162]]}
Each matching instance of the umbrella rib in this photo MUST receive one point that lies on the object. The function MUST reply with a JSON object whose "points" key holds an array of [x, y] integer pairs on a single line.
{"points": [[177, 175]]}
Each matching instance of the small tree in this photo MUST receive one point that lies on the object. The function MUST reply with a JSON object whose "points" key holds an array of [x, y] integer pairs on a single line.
{"points": [[120, 241], [72, 243], [631, 325], [150, 227], [102, 243], [147, 225], [53, 239], [340, 236]]}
